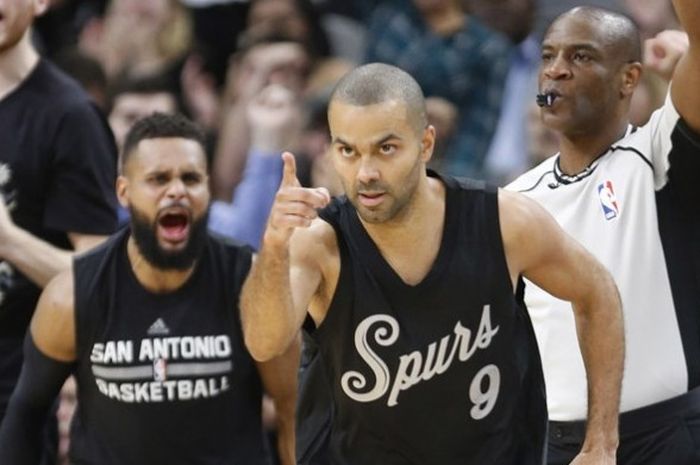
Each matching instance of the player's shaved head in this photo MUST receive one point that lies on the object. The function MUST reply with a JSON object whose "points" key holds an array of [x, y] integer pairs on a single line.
{"points": [[619, 33], [377, 83]]}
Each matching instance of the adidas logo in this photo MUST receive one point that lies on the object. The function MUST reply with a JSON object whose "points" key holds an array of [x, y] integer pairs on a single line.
{"points": [[158, 328]]}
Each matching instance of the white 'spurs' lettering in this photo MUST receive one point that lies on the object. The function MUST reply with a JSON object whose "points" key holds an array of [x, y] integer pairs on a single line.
{"points": [[416, 367]]}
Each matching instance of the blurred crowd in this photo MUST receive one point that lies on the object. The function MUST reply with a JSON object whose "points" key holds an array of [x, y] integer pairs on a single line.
{"points": [[256, 75]]}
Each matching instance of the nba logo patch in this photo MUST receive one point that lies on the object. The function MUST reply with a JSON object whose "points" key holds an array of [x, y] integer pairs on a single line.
{"points": [[608, 200], [160, 369]]}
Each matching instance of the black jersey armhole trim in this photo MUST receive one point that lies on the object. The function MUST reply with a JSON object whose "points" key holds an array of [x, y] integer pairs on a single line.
{"points": [[492, 196], [343, 288], [688, 133], [88, 267]]}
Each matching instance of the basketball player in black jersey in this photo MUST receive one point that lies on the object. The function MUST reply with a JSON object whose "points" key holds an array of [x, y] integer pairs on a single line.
{"points": [[148, 323], [410, 282]]}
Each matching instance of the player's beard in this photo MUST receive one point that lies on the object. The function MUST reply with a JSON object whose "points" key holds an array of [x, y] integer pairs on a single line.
{"points": [[144, 234]]}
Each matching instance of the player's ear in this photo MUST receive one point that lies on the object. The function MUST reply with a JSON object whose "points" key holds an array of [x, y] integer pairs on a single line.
{"points": [[428, 143], [123, 190]]}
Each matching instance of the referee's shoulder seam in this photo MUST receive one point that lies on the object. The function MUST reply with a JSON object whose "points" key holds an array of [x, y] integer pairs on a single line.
{"points": [[634, 150], [537, 183]]}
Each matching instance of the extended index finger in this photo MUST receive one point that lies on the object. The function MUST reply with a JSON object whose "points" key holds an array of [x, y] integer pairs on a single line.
{"points": [[289, 174]]}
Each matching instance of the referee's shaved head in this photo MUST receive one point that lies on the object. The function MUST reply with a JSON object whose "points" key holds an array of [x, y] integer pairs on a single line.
{"points": [[618, 32], [377, 83]]}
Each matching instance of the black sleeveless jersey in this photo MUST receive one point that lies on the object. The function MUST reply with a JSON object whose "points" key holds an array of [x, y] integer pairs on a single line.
{"points": [[443, 372], [164, 378]]}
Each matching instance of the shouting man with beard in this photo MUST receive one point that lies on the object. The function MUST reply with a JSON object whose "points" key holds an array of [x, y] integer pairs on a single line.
{"points": [[148, 323]]}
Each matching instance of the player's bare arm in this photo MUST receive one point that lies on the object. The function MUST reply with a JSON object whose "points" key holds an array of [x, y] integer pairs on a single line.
{"points": [[53, 324], [686, 79], [288, 271], [49, 351], [279, 378], [538, 249], [34, 257]]}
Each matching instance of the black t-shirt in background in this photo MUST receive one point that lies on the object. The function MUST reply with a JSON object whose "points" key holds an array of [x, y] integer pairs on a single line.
{"points": [[57, 174]]}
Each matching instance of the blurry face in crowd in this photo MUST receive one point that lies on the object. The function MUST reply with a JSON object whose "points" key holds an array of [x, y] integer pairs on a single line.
{"points": [[379, 155], [166, 188], [15, 18], [278, 16], [428, 6], [151, 11], [652, 16], [583, 72], [131, 107], [283, 63], [514, 18]]}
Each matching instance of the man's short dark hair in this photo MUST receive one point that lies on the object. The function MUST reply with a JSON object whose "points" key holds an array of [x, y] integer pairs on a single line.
{"points": [[140, 86], [377, 83], [160, 125]]}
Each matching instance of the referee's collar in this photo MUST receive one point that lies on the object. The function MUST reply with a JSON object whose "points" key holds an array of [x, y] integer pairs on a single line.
{"points": [[564, 179]]}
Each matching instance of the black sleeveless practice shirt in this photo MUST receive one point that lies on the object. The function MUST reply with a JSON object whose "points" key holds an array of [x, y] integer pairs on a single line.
{"points": [[443, 372], [164, 378]]}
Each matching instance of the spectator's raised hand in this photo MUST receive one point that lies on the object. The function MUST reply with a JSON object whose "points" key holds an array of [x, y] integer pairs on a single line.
{"points": [[283, 63], [274, 116], [662, 52]]}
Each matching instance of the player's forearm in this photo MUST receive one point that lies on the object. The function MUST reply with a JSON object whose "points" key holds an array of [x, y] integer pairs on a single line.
{"points": [[267, 309], [39, 383], [20, 435], [279, 378], [285, 436], [35, 258], [601, 337]]}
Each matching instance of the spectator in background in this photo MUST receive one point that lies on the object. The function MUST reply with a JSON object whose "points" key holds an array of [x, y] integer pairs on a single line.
{"points": [[57, 172], [652, 16], [134, 99], [273, 60], [296, 19], [87, 71], [216, 27], [284, 43], [660, 53], [508, 154], [139, 38], [453, 56], [274, 117]]}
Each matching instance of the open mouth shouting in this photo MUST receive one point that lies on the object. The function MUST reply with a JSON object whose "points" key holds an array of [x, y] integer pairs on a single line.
{"points": [[173, 225]]}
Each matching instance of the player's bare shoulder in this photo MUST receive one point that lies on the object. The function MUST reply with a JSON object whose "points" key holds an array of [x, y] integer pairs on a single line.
{"points": [[53, 324], [525, 225]]}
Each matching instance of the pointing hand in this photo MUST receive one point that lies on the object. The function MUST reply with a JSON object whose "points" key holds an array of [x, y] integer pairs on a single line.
{"points": [[294, 206]]}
